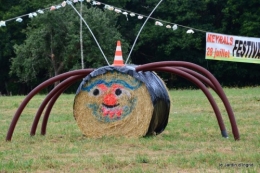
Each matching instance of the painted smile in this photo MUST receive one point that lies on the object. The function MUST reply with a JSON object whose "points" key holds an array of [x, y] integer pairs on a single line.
{"points": [[110, 106], [112, 111]]}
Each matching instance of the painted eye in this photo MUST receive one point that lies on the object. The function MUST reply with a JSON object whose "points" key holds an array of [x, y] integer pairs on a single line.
{"points": [[96, 92], [118, 92]]}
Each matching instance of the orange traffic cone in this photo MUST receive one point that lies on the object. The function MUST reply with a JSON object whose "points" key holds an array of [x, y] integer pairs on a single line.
{"points": [[118, 61]]}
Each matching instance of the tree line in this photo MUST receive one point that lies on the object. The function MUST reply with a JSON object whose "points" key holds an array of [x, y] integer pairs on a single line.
{"points": [[49, 44]]}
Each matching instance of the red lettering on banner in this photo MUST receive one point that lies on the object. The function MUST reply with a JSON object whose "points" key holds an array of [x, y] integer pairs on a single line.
{"points": [[209, 51], [210, 38], [221, 53], [220, 39]]}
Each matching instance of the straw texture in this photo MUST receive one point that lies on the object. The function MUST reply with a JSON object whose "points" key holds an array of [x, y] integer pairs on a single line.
{"points": [[118, 101], [130, 115]]}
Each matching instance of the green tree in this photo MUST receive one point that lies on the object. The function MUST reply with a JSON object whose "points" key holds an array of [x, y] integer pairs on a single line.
{"points": [[155, 43], [12, 34], [52, 45], [221, 16], [239, 18]]}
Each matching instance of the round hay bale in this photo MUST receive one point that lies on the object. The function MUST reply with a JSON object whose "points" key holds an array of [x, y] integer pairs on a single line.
{"points": [[118, 101]]}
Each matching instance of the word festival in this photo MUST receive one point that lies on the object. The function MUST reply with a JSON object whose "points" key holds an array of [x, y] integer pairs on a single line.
{"points": [[247, 49]]}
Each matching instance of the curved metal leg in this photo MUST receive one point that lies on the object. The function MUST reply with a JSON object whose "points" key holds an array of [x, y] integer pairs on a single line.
{"points": [[59, 87], [35, 91], [198, 76], [210, 77], [51, 103], [203, 88]]}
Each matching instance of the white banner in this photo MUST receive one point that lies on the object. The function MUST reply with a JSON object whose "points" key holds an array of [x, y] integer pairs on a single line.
{"points": [[232, 48]]}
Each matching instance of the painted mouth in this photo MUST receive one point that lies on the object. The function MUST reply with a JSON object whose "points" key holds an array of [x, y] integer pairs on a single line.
{"points": [[110, 106], [112, 111]]}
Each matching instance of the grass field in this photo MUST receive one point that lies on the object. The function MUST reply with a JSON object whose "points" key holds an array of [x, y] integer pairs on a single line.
{"points": [[191, 142]]}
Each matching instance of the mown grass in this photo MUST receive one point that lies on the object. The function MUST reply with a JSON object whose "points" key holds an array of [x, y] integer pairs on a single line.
{"points": [[191, 142]]}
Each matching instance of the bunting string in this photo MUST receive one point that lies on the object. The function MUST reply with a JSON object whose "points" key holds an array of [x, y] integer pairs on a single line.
{"points": [[158, 22]]}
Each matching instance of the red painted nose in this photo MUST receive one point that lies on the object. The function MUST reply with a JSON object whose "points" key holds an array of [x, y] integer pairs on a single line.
{"points": [[110, 99]]}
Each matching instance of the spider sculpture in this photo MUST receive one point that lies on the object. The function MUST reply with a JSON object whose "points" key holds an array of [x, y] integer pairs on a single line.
{"points": [[192, 72]]}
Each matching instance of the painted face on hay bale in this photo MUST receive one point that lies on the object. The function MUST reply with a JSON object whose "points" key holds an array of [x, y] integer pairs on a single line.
{"points": [[111, 96], [116, 101]]}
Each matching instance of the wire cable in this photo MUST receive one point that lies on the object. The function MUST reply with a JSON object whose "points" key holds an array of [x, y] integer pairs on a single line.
{"points": [[70, 3], [141, 31]]}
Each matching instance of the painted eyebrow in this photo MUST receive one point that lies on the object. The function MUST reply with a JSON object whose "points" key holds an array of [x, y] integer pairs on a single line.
{"points": [[109, 84]]}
